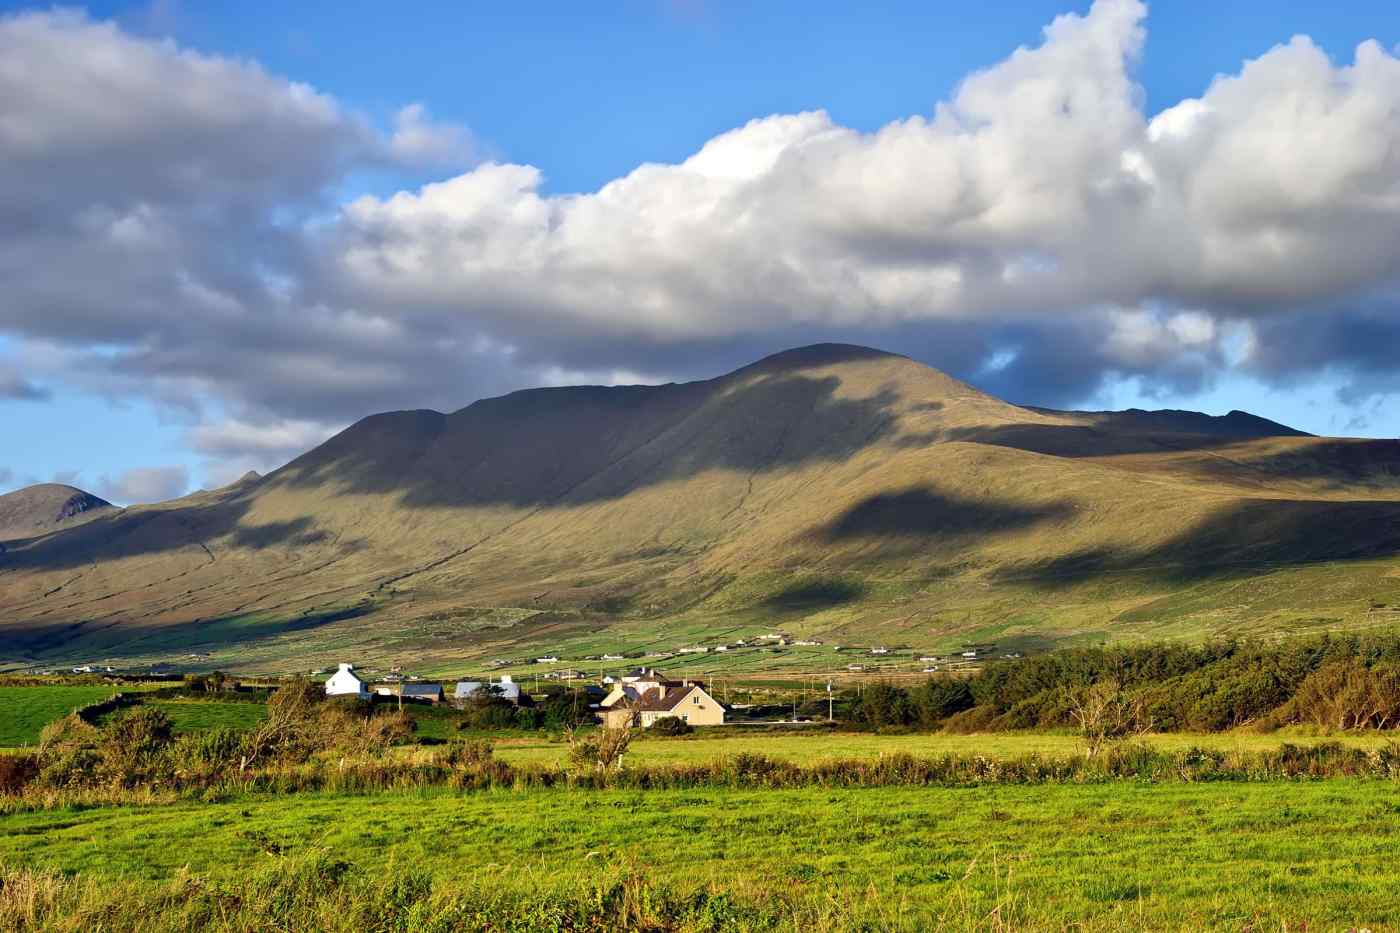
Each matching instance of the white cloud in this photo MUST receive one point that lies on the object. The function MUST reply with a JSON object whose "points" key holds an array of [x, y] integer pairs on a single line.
{"points": [[418, 140], [1039, 216], [144, 484], [1040, 188]]}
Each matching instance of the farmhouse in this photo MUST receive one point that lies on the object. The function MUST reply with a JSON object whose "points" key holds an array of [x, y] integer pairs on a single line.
{"points": [[687, 701], [637, 683], [345, 682]]}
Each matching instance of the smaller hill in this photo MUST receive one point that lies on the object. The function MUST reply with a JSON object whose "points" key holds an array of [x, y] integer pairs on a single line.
{"points": [[37, 510]]}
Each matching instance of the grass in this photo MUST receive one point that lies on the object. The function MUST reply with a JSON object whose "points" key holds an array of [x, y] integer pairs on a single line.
{"points": [[1006, 857], [24, 711], [202, 715], [805, 748]]}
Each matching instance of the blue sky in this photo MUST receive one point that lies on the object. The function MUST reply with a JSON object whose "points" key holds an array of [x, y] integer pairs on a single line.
{"points": [[585, 94]]}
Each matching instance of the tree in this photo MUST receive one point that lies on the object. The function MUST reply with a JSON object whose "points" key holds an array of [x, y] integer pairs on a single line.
{"points": [[940, 697], [884, 704], [600, 749], [1105, 713], [289, 727]]}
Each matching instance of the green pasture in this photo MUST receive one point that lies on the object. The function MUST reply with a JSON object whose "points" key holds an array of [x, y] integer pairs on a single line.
{"points": [[24, 711], [202, 715], [1114, 856], [805, 747]]}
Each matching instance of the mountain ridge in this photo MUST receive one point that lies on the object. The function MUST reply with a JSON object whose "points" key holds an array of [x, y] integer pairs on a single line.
{"points": [[697, 506]]}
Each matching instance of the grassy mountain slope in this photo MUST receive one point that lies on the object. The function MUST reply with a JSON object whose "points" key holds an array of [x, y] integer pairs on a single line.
{"points": [[835, 491], [38, 510]]}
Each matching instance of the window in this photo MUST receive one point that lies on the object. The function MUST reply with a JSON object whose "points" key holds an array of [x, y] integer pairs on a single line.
{"points": [[695, 699]]}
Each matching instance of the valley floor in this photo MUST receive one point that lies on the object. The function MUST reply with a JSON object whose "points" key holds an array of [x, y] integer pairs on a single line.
{"points": [[1106, 856]]}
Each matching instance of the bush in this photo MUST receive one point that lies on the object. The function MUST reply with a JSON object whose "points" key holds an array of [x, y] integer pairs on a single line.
{"points": [[600, 749], [66, 768], [16, 771], [210, 753], [132, 744], [671, 725]]}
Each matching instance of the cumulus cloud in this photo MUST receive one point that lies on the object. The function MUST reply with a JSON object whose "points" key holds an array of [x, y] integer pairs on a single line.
{"points": [[418, 140], [234, 447], [144, 484], [1038, 232]]}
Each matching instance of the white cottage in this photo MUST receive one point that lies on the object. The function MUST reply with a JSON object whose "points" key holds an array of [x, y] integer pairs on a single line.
{"points": [[345, 682]]}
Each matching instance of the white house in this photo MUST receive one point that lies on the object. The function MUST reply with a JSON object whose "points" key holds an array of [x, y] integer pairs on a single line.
{"points": [[345, 682]]}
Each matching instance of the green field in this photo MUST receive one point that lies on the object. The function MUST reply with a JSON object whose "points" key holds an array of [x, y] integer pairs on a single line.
{"points": [[24, 711], [1125, 855], [813, 746], [200, 715]]}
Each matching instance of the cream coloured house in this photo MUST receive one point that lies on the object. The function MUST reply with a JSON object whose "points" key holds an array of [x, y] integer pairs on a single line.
{"points": [[687, 701]]}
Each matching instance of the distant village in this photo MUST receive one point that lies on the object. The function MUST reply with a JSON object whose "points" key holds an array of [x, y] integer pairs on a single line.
{"points": [[846, 659], [640, 697]]}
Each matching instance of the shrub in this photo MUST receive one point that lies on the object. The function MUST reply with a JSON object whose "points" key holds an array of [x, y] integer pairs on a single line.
{"points": [[16, 771], [210, 752], [600, 749], [131, 744], [66, 734], [69, 767], [1346, 694], [671, 725], [1105, 713]]}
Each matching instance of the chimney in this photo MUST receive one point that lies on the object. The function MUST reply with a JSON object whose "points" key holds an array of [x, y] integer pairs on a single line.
{"points": [[505, 679], [347, 667]]}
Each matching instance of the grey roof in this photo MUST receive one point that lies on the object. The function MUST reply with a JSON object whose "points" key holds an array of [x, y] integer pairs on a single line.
{"points": [[467, 688], [420, 690]]}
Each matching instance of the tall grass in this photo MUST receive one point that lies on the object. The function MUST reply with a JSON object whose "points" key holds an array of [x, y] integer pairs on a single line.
{"points": [[318, 891], [474, 768]]}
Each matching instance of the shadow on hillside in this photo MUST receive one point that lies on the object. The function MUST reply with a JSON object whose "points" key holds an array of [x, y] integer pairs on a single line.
{"points": [[592, 444], [815, 595], [934, 517], [294, 533], [1341, 463], [1124, 432], [132, 639], [1074, 441], [1248, 535], [144, 532]]}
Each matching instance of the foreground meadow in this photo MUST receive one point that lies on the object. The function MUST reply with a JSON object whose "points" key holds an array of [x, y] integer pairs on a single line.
{"points": [[1108, 856]]}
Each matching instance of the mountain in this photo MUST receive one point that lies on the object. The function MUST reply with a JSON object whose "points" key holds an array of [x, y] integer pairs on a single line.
{"points": [[38, 510], [840, 492]]}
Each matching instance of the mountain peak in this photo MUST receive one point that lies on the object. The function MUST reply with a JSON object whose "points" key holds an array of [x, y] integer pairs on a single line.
{"points": [[38, 509], [820, 354]]}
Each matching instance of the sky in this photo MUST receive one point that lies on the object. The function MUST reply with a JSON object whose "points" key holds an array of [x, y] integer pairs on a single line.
{"points": [[228, 231]]}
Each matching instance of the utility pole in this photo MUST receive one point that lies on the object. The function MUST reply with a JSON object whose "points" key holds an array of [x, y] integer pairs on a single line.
{"points": [[829, 709]]}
